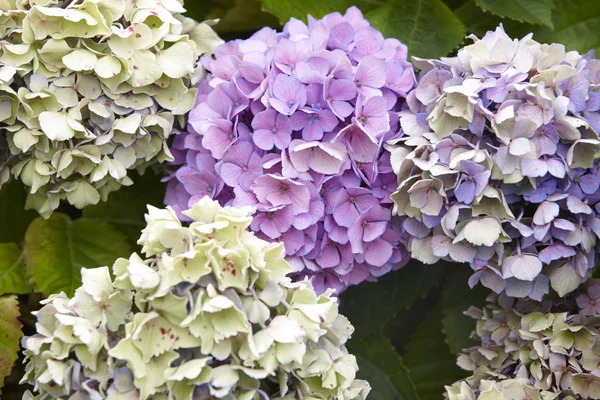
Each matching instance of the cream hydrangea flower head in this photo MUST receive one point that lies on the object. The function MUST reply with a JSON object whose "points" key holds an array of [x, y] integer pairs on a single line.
{"points": [[210, 314], [90, 89]]}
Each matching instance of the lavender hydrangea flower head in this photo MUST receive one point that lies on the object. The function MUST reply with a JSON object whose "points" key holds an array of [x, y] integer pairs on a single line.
{"points": [[497, 164], [293, 124]]}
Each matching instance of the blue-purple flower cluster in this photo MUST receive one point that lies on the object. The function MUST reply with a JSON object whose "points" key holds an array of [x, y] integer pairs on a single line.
{"points": [[497, 166], [294, 123]]}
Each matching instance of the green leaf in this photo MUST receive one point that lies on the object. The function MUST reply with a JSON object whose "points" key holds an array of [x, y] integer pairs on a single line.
{"points": [[576, 25], [429, 360], [126, 207], [457, 297], [286, 9], [381, 365], [12, 270], [13, 217], [428, 27], [369, 306], [57, 248], [479, 22], [531, 11], [10, 335]]}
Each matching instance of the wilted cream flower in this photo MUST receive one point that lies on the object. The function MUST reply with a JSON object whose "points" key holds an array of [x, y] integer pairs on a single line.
{"points": [[90, 89], [209, 315]]}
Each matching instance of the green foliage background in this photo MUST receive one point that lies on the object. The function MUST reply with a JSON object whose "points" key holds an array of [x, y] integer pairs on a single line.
{"points": [[409, 324]]}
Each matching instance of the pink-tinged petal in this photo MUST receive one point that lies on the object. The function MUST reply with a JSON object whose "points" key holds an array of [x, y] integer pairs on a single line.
{"points": [[534, 168], [328, 120], [282, 124], [300, 159], [362, 146], [220, 103], [269, 228], [460, 252], [577, 206], [218, 138], [594, 291], [556, 251], [370, 72], [378, 252], [264, 120], [329, 256], [289, 94], [252, 73], [346, 214], [341, 90], [545, 213], [264, 139], [355, 235], [298, 120], [374, 230], [282, 140], [293, 241], [341, 108], [312, 131], [230, 173], [525, 267]]}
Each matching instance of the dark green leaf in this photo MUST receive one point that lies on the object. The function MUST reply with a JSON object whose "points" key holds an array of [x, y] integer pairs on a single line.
{"points": [[429, 360], [12, 270], [531, 11], [428, 27], [10, 335], [457, 297], [286, 9], [479, 22], [125, 208], [576, 25], [57, 248], [383, 368], [370, 305], [13, 217]]}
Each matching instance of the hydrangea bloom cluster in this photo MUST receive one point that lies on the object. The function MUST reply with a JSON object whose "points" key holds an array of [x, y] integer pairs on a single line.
{"points": [[90, 89], [293, 123], [209, 314], [532, 350], [497, 165]]}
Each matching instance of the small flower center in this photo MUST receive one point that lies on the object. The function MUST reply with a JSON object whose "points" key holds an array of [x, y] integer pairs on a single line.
{"points": [[283, 188], [245, 168]]}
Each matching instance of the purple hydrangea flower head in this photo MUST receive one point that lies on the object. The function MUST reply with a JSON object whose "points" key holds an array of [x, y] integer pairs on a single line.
{"points": [[497, 164], [294, 123]]}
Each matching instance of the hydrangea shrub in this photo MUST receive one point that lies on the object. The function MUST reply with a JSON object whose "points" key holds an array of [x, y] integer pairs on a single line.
{"points": [[534, 350], [294, 123], [90, 89], [208, 314], [497, 165]]}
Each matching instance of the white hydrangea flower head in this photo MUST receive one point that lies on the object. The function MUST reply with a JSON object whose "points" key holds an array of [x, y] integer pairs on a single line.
{"points": [[90, 89], [209, 314]]}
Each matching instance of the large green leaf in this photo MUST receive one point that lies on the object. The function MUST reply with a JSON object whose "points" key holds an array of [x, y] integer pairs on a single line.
{"points": [[383, 368], [13, 217], [531, 11], [457, 297], [576, 25], [57, 248], [428, 27], [10, 335], [369, 306], [286, 9], [429, 360], [125, 208], [479, 22], [12, 270]]}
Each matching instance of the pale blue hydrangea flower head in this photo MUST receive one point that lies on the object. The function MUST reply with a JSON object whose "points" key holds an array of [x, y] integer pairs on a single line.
{"points": [[293, 123], [497, 164]]}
